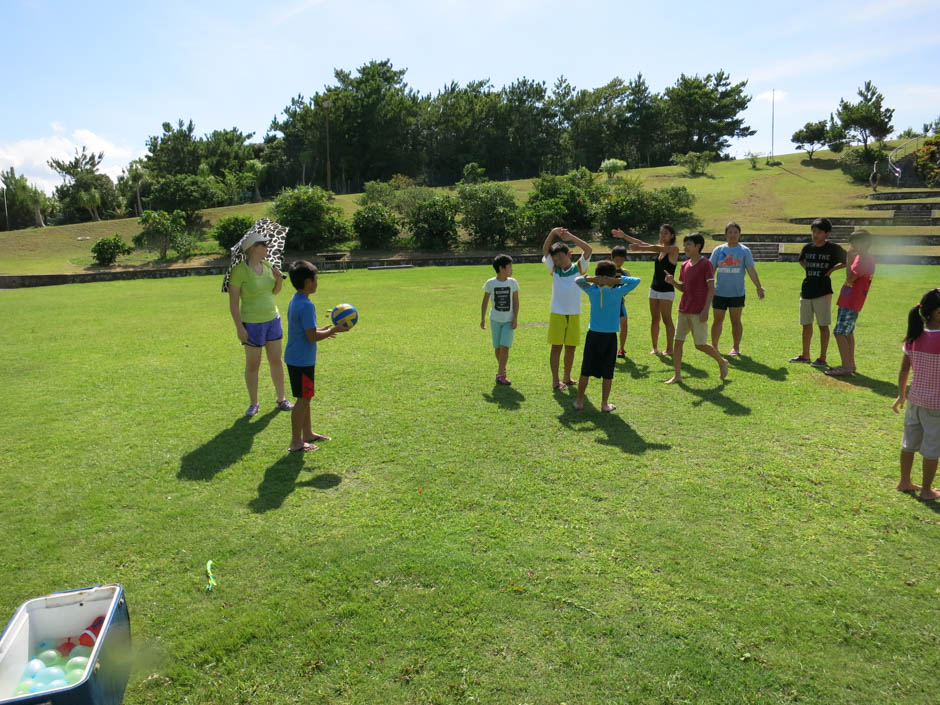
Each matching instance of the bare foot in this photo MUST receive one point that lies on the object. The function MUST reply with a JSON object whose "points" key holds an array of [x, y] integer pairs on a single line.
{"points": [[907, 487], [305, 448], [654, 351], [578, 404], [608, 407], [734, 352], [673, 380], [929, 495], [569, 383], [668, 353], [723, 366], [560, 386]]}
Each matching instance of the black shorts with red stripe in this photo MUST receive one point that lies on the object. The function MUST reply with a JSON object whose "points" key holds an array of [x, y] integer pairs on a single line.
{"points": [[301, 381]]}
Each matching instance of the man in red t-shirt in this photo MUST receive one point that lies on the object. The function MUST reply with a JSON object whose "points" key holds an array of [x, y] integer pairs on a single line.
{"points": [[697, 284], [858, 276]]}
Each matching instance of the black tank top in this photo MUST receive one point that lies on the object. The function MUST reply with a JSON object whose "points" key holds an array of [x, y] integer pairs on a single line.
{"points": [[660, 267]]}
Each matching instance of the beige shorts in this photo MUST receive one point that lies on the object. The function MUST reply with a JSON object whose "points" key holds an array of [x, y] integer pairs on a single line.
{"points": [[921, 431], [692, 322], [820, 307]]}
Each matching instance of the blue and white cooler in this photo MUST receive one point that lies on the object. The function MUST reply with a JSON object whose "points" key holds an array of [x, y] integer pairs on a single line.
{"points": [[67, 648]]}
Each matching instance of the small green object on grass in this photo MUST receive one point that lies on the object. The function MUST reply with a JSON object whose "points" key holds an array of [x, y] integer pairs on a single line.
{"points": [[211, 584]]}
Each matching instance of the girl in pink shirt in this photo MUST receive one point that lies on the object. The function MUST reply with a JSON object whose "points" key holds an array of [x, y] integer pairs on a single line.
{"points": [[922, 419]]}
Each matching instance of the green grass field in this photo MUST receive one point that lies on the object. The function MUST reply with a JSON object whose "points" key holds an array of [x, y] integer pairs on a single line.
{"points": [[459, 542], [760, 199]]}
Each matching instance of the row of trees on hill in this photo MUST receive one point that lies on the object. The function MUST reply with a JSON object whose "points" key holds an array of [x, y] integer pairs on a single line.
{"points": [[373, 125]]}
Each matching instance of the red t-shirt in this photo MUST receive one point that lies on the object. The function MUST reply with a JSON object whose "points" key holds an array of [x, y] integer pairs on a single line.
{"points": [[695, 280], [853, 297]]}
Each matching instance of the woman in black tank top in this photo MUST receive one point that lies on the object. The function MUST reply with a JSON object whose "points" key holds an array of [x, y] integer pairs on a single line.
{"points": [[662, 294]]}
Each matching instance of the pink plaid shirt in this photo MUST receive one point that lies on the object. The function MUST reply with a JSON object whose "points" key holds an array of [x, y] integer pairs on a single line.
{"points": [[924, 354]]}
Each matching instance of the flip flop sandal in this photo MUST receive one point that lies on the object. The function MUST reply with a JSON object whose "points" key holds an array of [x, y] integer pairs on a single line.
{"points": [[561, 387], [611, 407], [305, 448], [319, 437]]}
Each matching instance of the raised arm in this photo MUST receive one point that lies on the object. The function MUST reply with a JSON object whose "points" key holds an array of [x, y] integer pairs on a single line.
{"points": [[552, 234], [585, 248]]}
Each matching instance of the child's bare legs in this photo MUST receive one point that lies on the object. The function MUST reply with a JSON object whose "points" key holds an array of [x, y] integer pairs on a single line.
{"points": [[569, 361], [846, 345], [553, 359], [930, 471], [717, 324], [807, 340], [907, 463], [654, 325], [676, 362], [712, 353], [300, 423], [252, 365], [623, 332], [823, 341], [582, 388], [502, 356], [605, 394], [737, 329], [665, 312], [273, 351]]}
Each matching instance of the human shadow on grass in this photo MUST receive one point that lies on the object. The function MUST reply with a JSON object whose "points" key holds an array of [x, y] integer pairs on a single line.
{"points": [[281, 479], [885, 389], [746, 363], [506, 397], [226, 449], [933, 506], [631, 368], [619, 433], [715, 396], [687, 369]]}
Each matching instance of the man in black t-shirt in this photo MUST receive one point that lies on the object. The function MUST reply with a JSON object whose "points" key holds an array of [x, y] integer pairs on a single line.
{"points": [[820, 259]]}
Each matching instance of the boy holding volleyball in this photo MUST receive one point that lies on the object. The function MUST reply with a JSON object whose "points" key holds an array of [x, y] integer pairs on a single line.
{"points": [[301, 354], [504, 314]]}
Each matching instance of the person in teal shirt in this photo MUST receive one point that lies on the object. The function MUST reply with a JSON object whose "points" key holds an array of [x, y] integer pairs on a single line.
{"points": [[253, 285]]}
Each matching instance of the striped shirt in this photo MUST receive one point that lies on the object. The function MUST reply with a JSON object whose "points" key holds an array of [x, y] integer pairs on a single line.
{"points": [[924, 354]]}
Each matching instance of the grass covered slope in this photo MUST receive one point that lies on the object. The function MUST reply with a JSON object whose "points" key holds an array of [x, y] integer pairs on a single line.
{"points": [[761, 200], [458, 541]]}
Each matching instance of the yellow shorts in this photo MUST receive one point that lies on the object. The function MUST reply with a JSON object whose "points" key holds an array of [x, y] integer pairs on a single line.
{"points": [[564, 330]]}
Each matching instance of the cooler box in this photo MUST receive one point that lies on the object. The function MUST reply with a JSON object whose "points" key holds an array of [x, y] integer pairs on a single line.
{"points": [[53, 618]]}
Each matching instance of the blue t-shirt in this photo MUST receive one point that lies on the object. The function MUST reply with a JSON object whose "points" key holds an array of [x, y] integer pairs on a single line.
{"points": [[605, 303], [731, 263], [301, 316]]}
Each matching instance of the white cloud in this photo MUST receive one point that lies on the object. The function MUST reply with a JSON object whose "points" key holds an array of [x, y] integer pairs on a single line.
{"points": [[771, 96], [30, 156]]}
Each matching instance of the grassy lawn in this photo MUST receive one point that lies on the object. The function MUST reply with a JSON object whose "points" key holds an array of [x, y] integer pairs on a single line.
{"points": [[459, 542], [760, 199]]}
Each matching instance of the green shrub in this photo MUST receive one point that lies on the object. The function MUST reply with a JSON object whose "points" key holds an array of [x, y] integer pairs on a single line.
{"points": [[313, 220], [577, 192], [752, 157], [927, 161], [161, 231], [857, 163], [433, 223], [184, 192], [489, 213], [380, 192], [228, 231], [107, 249], [535, 219], [639, 211], [612, 166], [376, 226], [694, 163], [473, 173]]}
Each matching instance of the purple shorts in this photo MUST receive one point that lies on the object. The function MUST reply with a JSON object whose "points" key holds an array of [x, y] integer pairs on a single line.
{"points": [[261, 333]]}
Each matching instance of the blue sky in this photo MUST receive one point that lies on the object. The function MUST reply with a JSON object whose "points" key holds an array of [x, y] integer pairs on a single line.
{"points": [[108, 74]]}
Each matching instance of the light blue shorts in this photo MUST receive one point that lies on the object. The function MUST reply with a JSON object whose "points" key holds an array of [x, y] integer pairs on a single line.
{"points": [[502, 334]]}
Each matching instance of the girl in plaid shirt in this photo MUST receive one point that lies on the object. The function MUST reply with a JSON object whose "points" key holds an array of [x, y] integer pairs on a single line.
{"points": [[922, 420]]}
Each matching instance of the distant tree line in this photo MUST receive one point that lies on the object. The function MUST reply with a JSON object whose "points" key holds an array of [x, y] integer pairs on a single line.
{"points": [[379, 127]]}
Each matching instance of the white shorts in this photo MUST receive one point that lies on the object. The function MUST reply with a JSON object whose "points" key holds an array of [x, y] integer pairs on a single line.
{"points": [[662, 295]]}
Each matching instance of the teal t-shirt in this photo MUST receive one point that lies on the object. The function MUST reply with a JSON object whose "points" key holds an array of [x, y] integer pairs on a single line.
{"points": [[256, 295]]}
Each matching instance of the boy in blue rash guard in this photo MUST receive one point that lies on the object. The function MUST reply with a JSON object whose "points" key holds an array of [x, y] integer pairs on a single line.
{"points": [[605, 291]]}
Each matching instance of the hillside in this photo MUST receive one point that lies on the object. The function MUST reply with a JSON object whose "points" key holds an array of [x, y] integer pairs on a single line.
{"points": [[761, 200]]}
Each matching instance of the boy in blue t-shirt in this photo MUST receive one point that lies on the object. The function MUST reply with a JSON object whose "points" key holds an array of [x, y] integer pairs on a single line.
{"points": [[605, 291], [300, 354], [731, 262]]}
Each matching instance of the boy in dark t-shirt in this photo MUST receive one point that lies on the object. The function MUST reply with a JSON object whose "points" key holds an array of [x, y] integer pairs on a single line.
{"points": [[820, 259]]}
